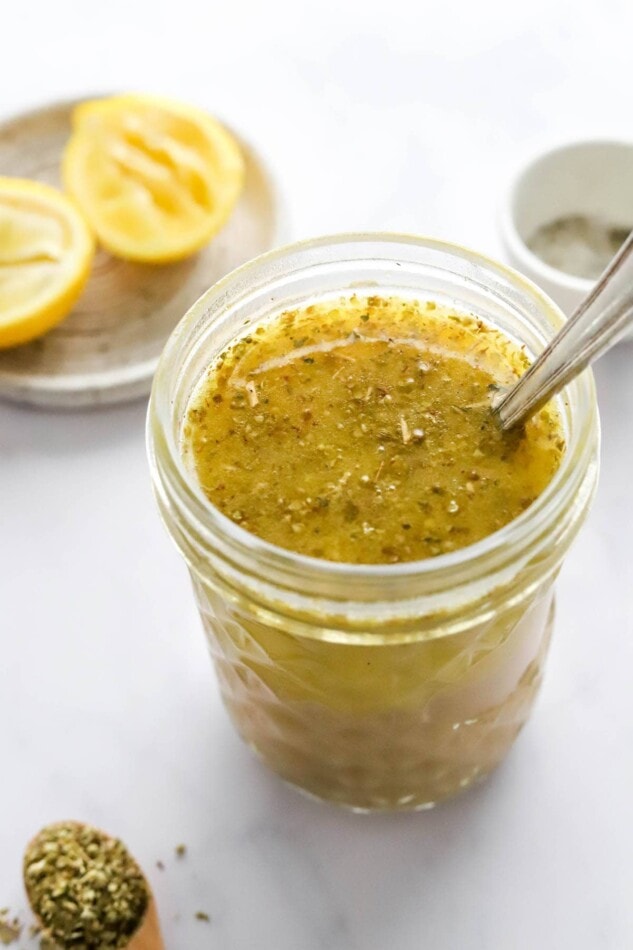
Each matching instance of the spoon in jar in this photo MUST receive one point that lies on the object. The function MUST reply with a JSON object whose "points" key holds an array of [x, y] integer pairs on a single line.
{"points": [[598, 323]]}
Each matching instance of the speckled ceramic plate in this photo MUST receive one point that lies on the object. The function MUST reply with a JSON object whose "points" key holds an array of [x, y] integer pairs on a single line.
{"points": [[107, 349]]}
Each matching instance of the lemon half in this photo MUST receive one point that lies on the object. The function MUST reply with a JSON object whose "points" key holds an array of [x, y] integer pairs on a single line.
{"points": [[46, 249], [155, 179]]}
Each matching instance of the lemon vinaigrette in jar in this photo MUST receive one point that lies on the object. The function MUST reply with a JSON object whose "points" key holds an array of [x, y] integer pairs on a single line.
{"points": [[373, 558]]}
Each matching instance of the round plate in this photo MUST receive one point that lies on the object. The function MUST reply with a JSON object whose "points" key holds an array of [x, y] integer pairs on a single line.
{"points": [[107, 349]]}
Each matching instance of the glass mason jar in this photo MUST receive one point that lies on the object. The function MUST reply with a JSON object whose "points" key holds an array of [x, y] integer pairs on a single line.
{"points": [[376, 686]]}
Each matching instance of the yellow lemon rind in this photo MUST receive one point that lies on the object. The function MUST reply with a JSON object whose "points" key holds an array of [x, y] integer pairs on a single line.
{"points": [[22, 325], [165, 249]]}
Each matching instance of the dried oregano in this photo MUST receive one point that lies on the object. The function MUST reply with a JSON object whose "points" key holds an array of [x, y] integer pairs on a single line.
{"points": [[10, 928], [84, 886]]}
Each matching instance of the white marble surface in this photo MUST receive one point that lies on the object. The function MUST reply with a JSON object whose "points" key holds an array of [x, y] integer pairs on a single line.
{"points": [[375, 115]]}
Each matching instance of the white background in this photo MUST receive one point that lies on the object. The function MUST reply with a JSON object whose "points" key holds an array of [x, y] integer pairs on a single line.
{"points": [[373, 115]]}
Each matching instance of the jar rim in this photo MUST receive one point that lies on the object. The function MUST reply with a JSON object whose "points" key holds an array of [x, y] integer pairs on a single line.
{"points": [[162, 439]]}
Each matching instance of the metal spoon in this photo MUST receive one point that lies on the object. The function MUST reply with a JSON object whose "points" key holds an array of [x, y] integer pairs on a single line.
{"points": [[598, 323]]}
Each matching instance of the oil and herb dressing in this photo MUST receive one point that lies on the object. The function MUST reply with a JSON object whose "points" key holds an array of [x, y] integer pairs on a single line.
{"points": [[360, 430]]}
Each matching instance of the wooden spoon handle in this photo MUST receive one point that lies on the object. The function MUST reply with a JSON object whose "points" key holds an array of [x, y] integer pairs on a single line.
{"points": [[148, 935]]}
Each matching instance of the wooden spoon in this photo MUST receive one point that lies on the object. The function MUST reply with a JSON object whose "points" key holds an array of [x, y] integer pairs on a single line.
{"points": [[147, 936]]}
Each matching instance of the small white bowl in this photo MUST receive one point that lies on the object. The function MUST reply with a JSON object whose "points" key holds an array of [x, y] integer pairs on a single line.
{"points": [[593, 178]]}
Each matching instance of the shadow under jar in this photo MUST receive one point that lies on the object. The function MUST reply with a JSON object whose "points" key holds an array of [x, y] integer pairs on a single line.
{"points": [[380, 686]]}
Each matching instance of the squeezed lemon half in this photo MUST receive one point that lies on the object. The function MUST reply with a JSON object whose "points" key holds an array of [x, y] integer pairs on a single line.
{"points": [[155, 179], [46, 249]]}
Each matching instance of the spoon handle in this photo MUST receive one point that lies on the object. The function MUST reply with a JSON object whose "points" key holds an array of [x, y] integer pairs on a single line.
{"points": [[596, 325]]}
